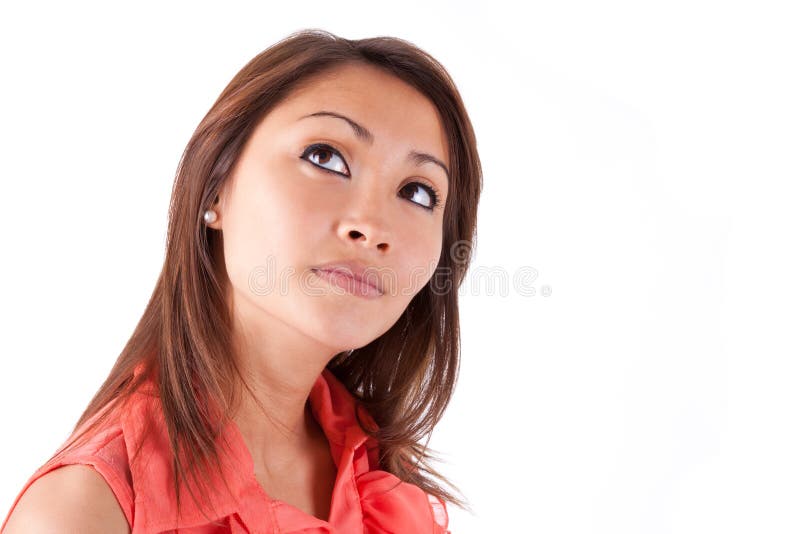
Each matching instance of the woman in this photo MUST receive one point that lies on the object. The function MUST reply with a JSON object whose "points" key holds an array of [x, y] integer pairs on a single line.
{"points": [[302, 338]]}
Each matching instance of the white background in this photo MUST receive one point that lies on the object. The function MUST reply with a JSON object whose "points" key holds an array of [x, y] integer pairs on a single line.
{"points": [[642, 157]]}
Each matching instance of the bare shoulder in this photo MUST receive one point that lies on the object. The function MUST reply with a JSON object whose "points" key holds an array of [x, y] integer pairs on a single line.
{"points": [[73, 498]]}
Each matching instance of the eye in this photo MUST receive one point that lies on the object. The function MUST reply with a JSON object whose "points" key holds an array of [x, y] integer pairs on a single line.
{"points": [[324, 154], [424, 195]]}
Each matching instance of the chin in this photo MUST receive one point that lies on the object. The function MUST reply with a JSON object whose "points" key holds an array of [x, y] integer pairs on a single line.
{"points": [[343, 332], [346, 339]]}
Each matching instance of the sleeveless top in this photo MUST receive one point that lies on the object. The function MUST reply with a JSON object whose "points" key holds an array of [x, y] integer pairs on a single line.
{"points": [[365, 499]]}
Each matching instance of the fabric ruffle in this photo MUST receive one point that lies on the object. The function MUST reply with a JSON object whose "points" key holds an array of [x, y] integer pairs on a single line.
{"points": [[390, 505]]}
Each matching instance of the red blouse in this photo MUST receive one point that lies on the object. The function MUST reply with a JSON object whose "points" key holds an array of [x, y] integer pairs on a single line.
{"points": [[365, 499]]}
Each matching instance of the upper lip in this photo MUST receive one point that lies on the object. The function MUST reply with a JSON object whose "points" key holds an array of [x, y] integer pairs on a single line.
{"points": [[355, 269]]}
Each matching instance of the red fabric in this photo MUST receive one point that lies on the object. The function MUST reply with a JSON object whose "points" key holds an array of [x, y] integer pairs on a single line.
{"points": [[365, 499]]}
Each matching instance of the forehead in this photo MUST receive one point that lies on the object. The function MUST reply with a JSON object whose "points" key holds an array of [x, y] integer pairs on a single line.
{"points": [[392, 110]]}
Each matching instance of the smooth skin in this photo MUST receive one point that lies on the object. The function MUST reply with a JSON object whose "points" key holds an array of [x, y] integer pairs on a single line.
{"points": [[69, 500], [284, 214]]}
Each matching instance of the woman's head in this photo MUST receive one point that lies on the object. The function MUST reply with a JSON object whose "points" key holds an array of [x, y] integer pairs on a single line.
{"points": [[256, 160], [310, 188], [280, 215]]}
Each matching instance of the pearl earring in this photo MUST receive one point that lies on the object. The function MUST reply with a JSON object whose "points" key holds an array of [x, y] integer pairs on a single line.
{"points": [[210, 216]]}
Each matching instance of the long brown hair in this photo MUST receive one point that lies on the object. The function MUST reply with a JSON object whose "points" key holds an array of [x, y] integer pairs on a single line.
{"points": [[404, 378]]}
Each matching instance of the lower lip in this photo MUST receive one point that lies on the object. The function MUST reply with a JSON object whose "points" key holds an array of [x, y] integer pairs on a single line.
{"points": [[348, 284]]}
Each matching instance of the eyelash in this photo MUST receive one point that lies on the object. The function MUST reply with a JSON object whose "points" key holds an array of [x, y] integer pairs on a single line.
{"points": [[434, 194]]}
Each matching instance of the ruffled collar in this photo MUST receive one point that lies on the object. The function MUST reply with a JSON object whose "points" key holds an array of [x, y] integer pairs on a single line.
{"points": [[364, 499]]}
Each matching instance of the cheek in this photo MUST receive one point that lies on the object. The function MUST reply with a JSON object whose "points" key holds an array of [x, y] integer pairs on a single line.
{"points": [[264, 227], [420, 254], [295, 204]]}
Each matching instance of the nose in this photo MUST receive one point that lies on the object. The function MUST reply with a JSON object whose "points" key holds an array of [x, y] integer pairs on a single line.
{"points": [[362, 225], [366, 233]]}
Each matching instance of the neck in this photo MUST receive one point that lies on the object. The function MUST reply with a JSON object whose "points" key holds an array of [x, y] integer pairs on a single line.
{"points": [[279, 366]]}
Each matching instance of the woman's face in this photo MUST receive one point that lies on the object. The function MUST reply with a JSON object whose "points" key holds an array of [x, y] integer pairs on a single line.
{"points": [[285, 211]]}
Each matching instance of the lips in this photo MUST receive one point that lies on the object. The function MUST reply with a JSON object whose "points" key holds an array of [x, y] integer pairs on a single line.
{"points": [[357, 273]]}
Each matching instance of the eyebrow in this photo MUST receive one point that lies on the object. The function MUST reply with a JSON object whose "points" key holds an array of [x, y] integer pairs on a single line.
{"points": [[365, 135]]}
